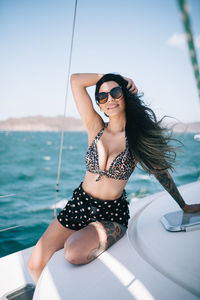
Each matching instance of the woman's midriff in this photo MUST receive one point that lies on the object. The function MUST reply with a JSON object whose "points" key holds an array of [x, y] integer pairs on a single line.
{"points": [[104, 189]]}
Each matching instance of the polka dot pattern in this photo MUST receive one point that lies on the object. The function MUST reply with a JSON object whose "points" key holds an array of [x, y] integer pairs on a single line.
{"points": [[83, 209]]}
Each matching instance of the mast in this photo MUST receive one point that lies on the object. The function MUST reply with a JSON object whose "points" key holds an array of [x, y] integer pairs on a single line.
{"points": [[183, 6]]}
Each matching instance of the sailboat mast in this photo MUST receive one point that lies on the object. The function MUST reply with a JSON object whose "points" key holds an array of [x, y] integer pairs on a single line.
{"points": [[190, 41]]}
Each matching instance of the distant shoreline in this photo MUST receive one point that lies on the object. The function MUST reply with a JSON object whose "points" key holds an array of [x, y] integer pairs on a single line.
{"points": [[43, 124]]}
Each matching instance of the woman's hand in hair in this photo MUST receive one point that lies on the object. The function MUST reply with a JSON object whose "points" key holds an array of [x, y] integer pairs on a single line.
{"points": [[131, 85]]}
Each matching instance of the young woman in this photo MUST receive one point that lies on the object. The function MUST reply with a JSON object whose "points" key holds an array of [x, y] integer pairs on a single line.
{"points": [[98, 213]]}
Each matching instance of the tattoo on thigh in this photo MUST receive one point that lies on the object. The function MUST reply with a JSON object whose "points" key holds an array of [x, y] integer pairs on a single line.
{"points": [[114, 232], [96, 252]]}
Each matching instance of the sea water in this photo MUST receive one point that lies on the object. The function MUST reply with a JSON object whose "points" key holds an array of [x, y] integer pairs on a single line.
{"points": [[28, 176]]}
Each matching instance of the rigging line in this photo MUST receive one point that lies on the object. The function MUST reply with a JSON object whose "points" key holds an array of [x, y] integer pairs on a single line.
{"points": [[9, 228], [186, 22], [27, 192], [62, 134], [8, 195]]}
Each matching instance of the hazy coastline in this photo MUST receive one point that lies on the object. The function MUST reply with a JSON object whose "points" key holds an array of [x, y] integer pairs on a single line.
{"points": [[42, 123]]}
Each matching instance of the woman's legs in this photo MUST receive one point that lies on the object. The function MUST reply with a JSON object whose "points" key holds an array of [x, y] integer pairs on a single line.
{"points": [[81, 247], [86, 244], [52, 240]]}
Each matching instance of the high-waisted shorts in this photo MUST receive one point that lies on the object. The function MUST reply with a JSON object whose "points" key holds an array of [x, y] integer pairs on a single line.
{"points": [[83, 209]]}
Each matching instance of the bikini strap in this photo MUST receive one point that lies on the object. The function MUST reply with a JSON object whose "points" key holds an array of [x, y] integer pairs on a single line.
{"points": [[99, 134]]}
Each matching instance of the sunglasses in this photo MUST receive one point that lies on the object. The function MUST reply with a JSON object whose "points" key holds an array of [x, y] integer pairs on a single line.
{"points": [[115, 93]]}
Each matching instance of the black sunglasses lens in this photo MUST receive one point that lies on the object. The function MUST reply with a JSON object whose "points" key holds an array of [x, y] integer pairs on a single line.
{"points": [[102, 97], [116, 92]]}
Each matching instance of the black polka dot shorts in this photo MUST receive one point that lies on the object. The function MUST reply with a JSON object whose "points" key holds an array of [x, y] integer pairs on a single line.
{"points": [[83, 209]]}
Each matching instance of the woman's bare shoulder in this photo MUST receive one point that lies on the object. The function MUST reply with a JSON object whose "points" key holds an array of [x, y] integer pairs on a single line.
{"points": [[94, 128]]}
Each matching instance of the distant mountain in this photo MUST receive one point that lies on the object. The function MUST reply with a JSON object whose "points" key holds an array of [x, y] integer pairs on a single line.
{"points": [[184, 127], [41, 123]]}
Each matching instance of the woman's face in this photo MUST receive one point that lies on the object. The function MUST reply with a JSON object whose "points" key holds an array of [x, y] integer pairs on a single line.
{"points": [[112, 106]]}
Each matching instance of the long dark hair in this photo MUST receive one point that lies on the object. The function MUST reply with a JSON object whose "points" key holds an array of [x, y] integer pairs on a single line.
{"points": [[149, 142]]}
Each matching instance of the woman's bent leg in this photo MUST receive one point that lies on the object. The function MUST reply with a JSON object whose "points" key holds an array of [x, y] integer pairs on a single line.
{"points": [[86, 244], [52, 240]]}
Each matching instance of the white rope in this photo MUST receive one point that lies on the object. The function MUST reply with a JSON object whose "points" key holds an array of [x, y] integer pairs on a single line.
{"points": [[27, 192], [8, 195], [5, 229], [62, 134]]}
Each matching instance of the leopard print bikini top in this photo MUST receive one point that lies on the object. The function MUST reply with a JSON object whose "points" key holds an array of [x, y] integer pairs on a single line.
{"points": [[121, 167]]}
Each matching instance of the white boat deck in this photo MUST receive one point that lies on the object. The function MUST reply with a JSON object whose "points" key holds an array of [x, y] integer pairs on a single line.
{"points": [[14, 272], [147, 263]]}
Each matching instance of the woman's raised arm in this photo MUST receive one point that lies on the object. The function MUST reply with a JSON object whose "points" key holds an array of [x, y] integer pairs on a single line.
{"points": [[79, 83]]}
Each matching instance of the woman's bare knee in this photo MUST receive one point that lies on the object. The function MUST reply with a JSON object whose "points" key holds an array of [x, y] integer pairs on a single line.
{"points": [[72, 253], [35, 267], [75, 255], [84, 246]]}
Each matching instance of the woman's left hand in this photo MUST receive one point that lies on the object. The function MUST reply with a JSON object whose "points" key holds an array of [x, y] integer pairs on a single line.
{"points": [[131, 85], [191, 208]]}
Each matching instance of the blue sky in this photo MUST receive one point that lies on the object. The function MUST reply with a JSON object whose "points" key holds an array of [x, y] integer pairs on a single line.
{"points": [[139, 39]]}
